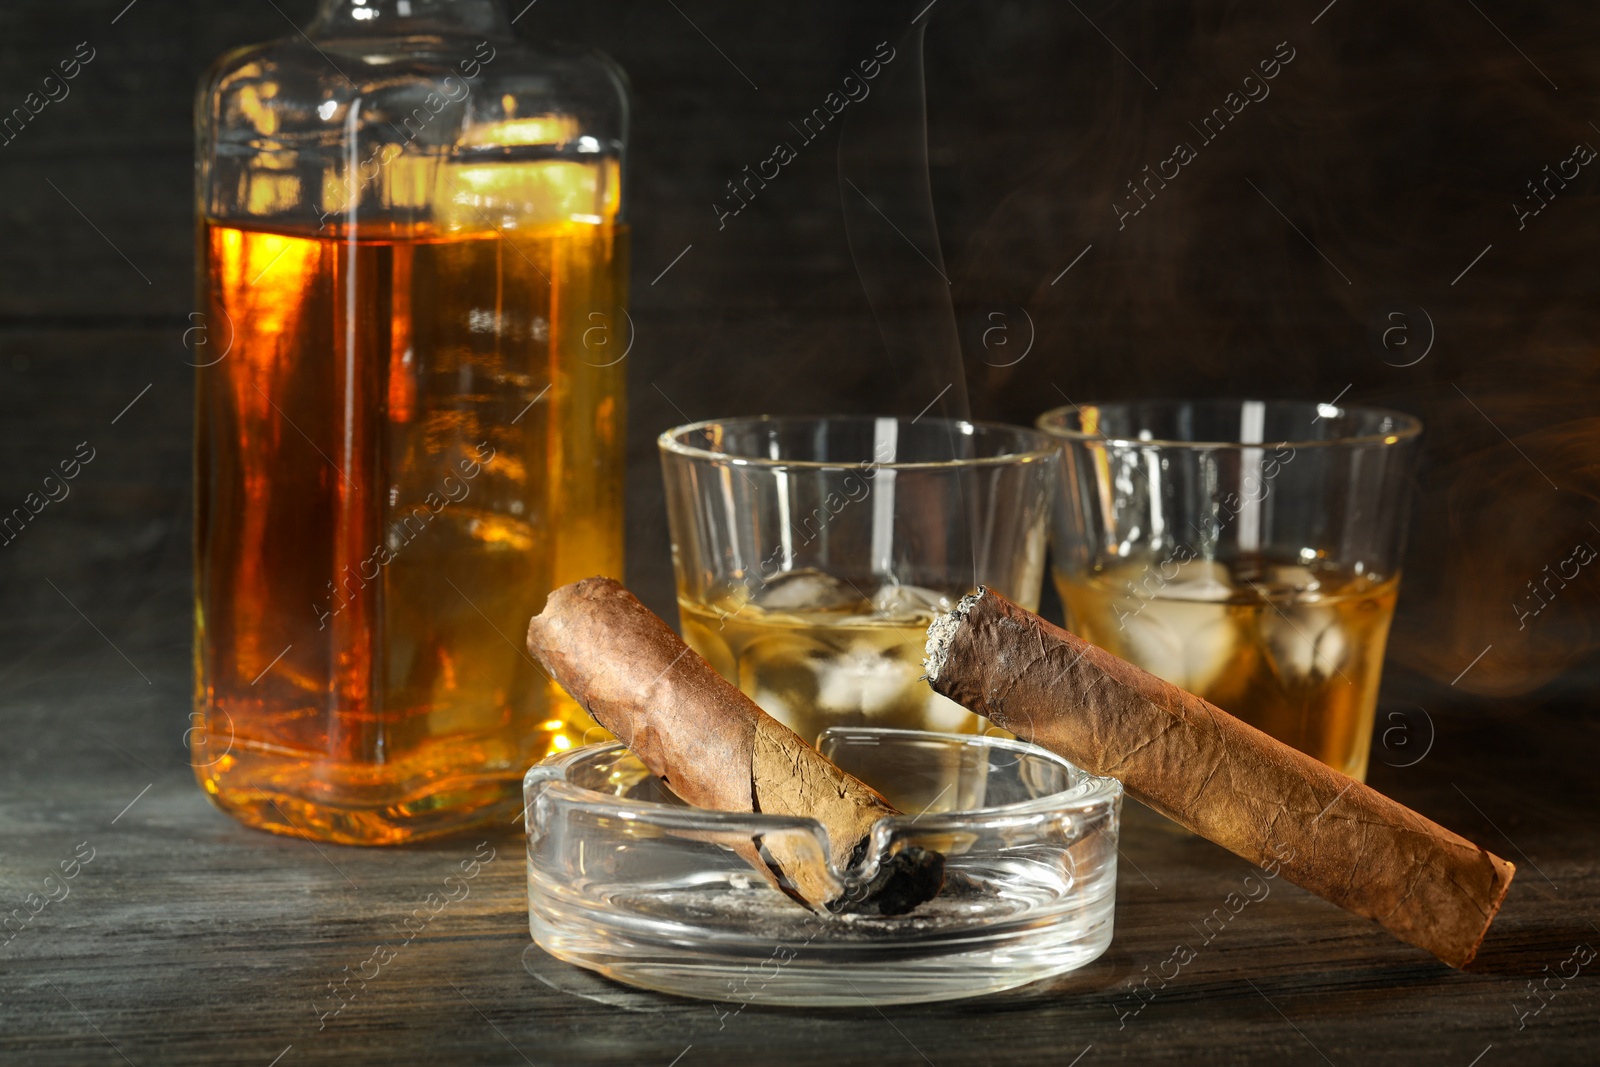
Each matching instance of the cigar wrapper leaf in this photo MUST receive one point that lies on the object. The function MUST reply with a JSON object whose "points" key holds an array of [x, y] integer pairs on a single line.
{"points": [[715, 748], [1218, 776]]}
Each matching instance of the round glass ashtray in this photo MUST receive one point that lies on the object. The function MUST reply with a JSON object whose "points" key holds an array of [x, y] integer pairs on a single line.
{"points": [[626, 880]]}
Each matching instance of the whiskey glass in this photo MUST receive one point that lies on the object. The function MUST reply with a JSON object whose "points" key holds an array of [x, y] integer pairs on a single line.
{"points": [[811, 553], [1247, 551]]}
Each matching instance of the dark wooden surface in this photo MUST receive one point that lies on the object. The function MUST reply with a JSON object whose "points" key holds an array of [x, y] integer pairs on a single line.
{"points": [[191, 940], [1386, 159]]}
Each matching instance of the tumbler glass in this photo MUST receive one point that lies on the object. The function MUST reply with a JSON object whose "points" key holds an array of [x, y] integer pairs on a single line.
{"points": [[811, 553], [1245, 550]]}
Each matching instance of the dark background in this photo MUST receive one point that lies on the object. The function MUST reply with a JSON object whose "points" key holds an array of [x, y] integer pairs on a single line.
{"points": [[1380, 175], [1394, 144]]}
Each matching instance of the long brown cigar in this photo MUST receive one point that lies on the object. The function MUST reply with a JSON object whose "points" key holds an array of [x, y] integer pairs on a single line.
{"points": [[715, 748], [1221, 778]]}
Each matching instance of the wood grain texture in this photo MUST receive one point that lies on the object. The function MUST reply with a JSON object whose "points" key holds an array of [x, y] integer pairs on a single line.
{"points": [[1396, 141], [191, 940]]}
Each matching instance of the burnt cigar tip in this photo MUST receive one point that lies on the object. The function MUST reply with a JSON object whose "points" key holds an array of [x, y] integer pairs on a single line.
{"points": [[909, 878], [942, 633]]}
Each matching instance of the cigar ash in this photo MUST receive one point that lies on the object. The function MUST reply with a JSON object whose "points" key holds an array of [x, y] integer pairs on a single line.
{"points": [[745, 902], [914, 879], [942, 633], [891, 903]]}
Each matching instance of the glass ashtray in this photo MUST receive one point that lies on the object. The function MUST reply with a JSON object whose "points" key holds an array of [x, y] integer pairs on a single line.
{"points": [[627, 880]]}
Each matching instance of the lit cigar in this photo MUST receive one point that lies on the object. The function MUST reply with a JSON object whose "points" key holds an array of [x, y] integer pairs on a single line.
{"points": [[715, 748], [1221, 778]]}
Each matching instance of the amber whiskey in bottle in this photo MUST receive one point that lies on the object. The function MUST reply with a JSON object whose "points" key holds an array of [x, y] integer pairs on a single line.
{"points": [[409, 412]]}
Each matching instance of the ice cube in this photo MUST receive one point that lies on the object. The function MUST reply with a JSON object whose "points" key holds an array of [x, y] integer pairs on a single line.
{"points": [[780, 673], [864, 682], [943, 714], [1179, 627], [1200, 579], [1190, 644], [1300, 579], [910, 602], [806, 589], [780, 707], [1305, 640]]}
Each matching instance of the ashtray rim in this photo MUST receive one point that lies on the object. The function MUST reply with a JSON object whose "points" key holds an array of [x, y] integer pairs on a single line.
{"points": [[1088, 794]]}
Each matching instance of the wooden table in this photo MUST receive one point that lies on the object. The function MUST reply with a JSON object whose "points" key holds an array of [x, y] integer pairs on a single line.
{"points": [[188, 939]]}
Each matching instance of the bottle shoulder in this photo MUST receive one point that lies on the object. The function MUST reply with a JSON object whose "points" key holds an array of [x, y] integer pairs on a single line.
{"points": [[321, 92], [409, 131]]}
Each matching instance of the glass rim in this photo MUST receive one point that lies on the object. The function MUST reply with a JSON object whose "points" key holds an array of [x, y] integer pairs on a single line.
{"points": [[1407, 427], [1044, 448]]}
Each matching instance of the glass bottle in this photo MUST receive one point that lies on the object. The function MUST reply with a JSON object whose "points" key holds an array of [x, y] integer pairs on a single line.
{"points": [[409, 411]]}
